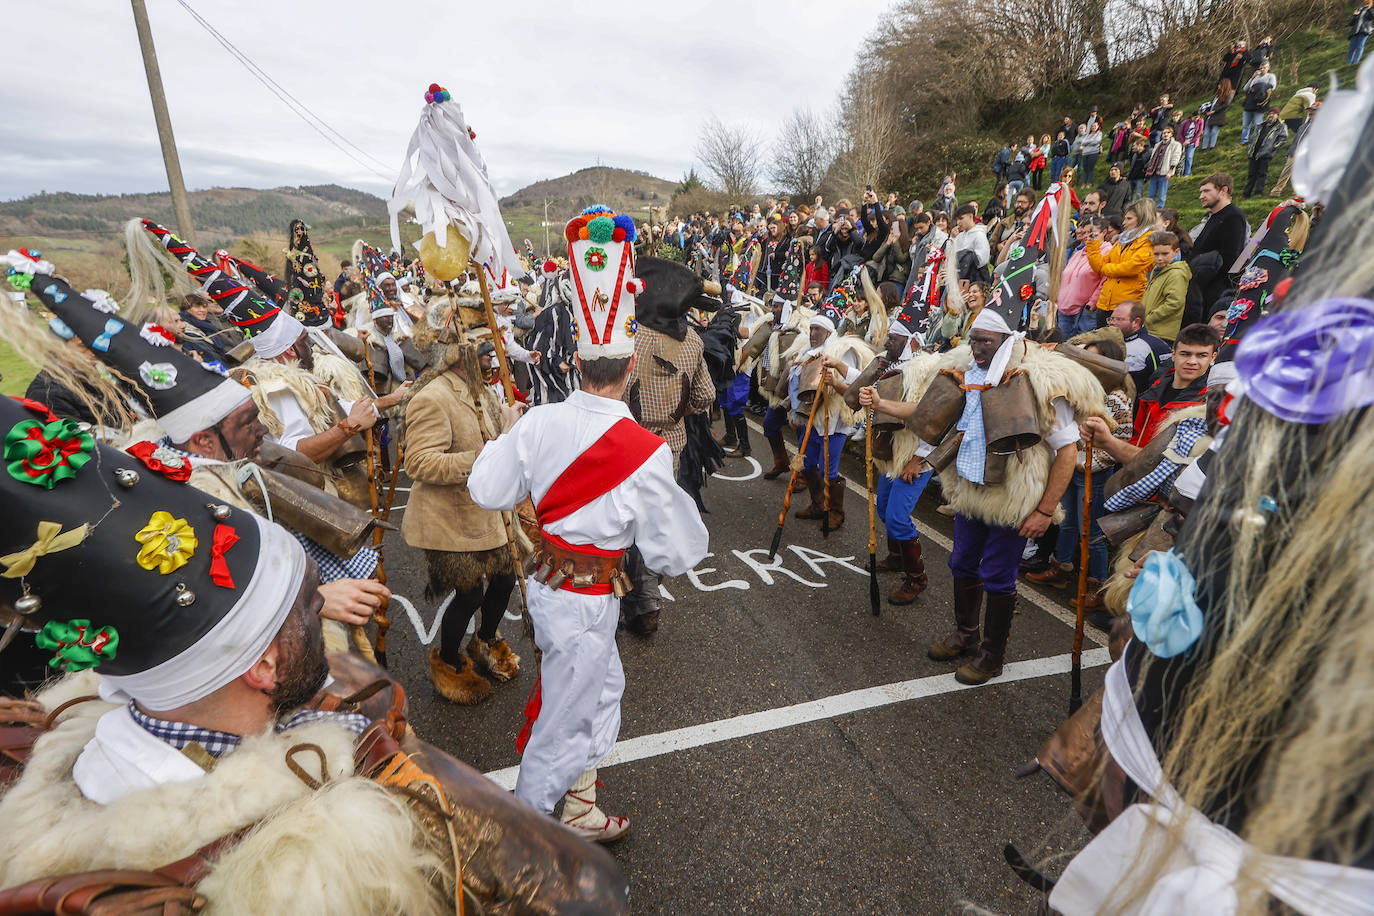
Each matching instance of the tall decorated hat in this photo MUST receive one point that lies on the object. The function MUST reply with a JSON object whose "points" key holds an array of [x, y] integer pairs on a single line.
{"points": [[828, 315], [303, 269], [602, 262], [271, 330], [186, 396], [167, 592]]}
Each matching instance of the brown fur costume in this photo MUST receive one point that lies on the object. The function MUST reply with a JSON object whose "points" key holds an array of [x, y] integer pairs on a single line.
{"points": [[461, 570]]}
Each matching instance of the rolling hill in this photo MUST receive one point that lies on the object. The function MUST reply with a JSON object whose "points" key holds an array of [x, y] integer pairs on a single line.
{"points": [[623, 190]]}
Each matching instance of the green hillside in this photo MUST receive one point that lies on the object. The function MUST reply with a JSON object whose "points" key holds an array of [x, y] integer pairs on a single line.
{"points": [[621, 189]]}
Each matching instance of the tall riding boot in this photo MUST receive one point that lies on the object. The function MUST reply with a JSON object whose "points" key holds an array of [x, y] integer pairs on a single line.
{"points": [[836, 502], [893, 561], [814, 485], [915, 579], [640, 608], [741, 436], [583, 817], [987, 664], [780, 463], [968, 601]]}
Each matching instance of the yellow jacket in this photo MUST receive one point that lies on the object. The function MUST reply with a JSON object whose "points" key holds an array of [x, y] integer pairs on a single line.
{"points": [[1125, 269]]}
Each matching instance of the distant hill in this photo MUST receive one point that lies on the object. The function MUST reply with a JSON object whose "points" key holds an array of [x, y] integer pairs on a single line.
{"points": [[219, 214], [623, 190]]}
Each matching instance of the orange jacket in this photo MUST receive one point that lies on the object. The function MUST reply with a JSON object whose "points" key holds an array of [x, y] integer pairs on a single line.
{"points": [[1126, 271]]}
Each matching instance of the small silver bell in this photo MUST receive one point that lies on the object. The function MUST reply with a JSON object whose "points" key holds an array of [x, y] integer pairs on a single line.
{"points": [[126, 477], [185, 597], [220, 511], [84, 426], [28, 605]]}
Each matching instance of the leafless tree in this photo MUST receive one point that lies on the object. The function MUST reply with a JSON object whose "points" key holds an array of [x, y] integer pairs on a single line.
{"points": [[874, 135], [731, 155], [803, 154]]}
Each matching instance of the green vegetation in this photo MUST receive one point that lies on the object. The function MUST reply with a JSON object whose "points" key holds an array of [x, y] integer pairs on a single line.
{"points": [[17, 371]]}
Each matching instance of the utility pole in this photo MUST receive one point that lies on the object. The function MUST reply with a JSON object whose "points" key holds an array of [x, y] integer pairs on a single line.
{"points": [[546, 227], [181, 204]]}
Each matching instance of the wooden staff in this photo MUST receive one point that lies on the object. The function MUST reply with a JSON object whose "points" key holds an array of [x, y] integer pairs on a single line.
{"points": [[1085, 527], [499, 343], [873, 601], [825, 453], [787, 497], [381, 616]]}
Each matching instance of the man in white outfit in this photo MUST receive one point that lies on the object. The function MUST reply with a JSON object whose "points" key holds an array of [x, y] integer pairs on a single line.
{"points": [[600, 484]]}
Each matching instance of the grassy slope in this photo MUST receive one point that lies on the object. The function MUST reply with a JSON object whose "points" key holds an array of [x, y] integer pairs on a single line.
{"points": [[1315, 52]]}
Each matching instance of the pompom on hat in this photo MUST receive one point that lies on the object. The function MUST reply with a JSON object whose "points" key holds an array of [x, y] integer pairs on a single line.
{"points": [[601, 261]]}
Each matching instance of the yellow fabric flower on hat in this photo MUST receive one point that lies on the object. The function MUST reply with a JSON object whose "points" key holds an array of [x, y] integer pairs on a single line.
{"points": [[167, 543]]}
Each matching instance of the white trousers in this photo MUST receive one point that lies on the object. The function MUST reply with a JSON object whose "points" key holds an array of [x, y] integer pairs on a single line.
{"points": [[581, 682]]}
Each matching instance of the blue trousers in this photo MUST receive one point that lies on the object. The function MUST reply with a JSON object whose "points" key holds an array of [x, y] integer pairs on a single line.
{"points": [[1188, 153], [1082, 323], [1249, 119], [734, 398], [1067, 547], [1356, 49], [812, 452], [896, 501], [774, 419], [991, 553], [1159, 189]]}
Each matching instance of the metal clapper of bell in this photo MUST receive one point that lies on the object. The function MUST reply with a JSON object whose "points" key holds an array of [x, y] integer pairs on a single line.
{"points": [[1010, 423]]}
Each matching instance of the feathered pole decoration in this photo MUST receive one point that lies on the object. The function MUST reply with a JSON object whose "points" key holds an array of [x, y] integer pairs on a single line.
{"points": [[1063, 214], [445, 178]]}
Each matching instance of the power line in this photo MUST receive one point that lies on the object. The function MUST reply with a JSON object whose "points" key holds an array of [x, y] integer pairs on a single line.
{"points": [[298, 108]]}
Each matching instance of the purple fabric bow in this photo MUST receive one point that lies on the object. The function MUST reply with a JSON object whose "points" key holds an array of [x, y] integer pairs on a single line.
{"points": [[1310, 365]]}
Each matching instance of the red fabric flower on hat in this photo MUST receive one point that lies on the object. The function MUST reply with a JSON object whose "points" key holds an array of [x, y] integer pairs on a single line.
{"points": [[173, 467]]}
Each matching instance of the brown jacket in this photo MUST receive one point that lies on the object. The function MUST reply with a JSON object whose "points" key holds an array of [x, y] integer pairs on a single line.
{"points": [[670, 381], [443, 437]]}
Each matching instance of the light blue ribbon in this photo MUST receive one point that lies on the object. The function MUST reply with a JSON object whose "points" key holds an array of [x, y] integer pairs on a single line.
{"points": [[112, 327], [1161, 605]]}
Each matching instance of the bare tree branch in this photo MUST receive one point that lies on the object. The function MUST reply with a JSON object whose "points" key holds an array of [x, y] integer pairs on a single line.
{"points": [[804, 152], [731, 156]]}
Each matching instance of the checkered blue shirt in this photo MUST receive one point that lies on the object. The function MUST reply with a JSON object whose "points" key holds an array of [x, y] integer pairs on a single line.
{"points": [[973, 457], [1156, 484], [216, 743]]}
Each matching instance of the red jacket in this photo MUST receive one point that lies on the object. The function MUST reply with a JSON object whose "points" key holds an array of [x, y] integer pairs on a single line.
{"points": [[1154, 409], [816, 273]]}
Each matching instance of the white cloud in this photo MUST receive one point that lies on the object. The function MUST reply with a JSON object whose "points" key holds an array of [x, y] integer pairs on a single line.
{"points": [[549, 87]]}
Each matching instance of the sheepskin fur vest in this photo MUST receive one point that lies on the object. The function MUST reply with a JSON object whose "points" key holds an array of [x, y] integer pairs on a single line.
{"points": [[917, 373], [347, 847], [269, 378], [1028, 471], [779, 361]]}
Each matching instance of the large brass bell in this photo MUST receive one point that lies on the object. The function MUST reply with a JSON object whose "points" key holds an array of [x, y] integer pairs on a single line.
{"points": [[876, 366], [809, 381], [1110, 373], [1010, 422], [758, 339], [1118, 526], [946, 451], [329, 521], [938, 408], [889, 389]]}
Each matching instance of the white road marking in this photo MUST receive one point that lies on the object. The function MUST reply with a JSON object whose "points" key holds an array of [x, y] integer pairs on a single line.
{"points": [[755, 469], [681, 739], [1055, 610]]}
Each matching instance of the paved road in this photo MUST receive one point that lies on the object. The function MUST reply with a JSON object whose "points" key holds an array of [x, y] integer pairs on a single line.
{"points": [[782, 750]]}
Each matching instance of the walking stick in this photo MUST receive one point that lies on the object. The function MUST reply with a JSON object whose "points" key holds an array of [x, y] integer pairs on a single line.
{"points": [[787, 497], [499, 343], [825, 458], [872, 518], [1085, 527], [381, 616]]}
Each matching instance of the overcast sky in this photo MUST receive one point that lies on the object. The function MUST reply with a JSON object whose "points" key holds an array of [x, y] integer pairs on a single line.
{"points": [[549, 87]]}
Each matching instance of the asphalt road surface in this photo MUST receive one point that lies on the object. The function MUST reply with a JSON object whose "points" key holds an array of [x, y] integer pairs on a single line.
{"points": [[782, 750]]}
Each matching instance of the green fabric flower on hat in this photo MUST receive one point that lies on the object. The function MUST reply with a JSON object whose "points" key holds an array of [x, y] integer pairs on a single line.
{"points": [[77, 644], [45, 454], [595, 258], [601, 229]]}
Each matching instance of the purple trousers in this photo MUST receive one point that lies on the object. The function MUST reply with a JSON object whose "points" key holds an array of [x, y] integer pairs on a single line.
{"points": [[991, 553]]}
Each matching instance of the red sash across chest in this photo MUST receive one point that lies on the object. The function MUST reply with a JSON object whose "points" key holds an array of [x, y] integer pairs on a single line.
{"points": [[607, 464]]}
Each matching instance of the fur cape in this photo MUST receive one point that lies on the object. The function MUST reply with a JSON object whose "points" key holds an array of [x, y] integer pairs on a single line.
{"points": [[268, 378], [1028, 471], [339, 374], [839, 347], [917, 374], [780, 359], [347, 847]]}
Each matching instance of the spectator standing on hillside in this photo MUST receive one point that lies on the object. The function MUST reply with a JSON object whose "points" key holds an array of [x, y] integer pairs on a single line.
{"points": [[1361, 25], [1189, 134], [1269, 136], [1076, 147], [1059, 154], [1090, 149], [1298, 137], [1080, 286], [1294, 112], [971, 252], [1126, 266], [946, 199], [1215, 121], [1136, 171], [1215, 247], [1164, 159], [1146, 354], [1160, 116], [1232, 63], [1017, 172], [1000, 163], [1115, 191], [1255, 102], [1121, 140], [1037, 157], [1166, 290], [1261, 53]]}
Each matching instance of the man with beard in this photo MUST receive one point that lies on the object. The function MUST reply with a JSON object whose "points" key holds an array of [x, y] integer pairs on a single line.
{"points": [[390, 355], [1011, 231]]}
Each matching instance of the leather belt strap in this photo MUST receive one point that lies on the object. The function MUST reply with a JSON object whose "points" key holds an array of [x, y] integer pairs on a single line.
{"points": [[580, 568]]}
